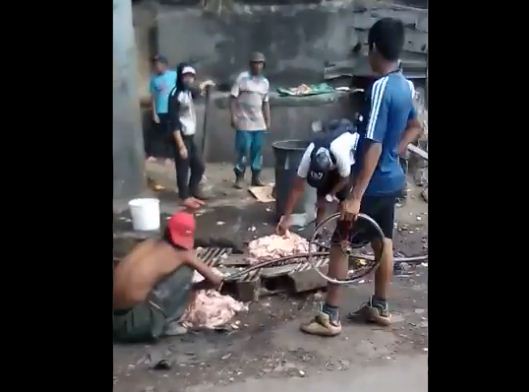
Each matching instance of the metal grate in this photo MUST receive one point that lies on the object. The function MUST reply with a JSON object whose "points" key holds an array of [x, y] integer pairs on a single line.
{"points": [[320, 262], [213, 256]]}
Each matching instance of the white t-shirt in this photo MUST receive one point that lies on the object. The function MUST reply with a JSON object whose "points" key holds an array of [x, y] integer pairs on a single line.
{"points": [[342, 148], [187, 114], [250, 93]]}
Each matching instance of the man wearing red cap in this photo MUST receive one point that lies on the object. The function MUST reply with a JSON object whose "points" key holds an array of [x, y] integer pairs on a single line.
{"points": [[152, 284]]}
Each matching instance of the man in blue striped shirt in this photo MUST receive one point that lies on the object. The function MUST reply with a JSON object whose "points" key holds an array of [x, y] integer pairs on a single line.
{"points": [[389, 125]]}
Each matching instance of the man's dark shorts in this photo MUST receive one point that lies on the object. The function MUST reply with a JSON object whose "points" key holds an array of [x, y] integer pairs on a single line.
{"points": [[381, 209]]}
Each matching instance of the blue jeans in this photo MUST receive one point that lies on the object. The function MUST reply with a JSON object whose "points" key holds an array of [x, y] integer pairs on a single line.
{"points": [[249, 144]]}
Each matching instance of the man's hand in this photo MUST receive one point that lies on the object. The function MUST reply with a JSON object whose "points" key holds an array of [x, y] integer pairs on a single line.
{"points": [[205, 84], [217, 282], [233, 122], [214, 283], [155, 118], [182, 151], [283, 225], [349, 209]]}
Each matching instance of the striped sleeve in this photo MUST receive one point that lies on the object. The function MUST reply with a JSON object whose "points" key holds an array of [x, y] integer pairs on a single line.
{"points": [[378, 117], [413, 111]]}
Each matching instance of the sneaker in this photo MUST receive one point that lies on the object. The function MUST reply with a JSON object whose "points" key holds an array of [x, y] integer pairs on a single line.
{"points": [[372, 314], [321, 325]]}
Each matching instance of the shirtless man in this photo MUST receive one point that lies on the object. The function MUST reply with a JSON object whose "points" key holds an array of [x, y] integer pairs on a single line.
{"points": [[152, 285]]}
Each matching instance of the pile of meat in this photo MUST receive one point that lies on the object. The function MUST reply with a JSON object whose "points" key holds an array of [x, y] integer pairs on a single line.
{"points": [[302, 89], [275, 246], [209, 308]]}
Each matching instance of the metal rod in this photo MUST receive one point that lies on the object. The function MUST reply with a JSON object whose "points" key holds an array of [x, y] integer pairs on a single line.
{"points": [[205, 123], [420, 152]]}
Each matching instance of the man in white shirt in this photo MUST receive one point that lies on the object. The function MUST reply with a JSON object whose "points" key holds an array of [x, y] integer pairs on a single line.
{"points": [[326, 166], [181, 131], [250, 116]]}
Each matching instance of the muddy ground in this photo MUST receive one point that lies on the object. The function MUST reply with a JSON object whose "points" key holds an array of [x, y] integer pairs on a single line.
{"points": [[268, 348]]}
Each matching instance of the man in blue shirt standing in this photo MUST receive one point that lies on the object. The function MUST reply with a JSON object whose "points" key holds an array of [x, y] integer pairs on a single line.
{"points": [[390, 124], [162, 82]]}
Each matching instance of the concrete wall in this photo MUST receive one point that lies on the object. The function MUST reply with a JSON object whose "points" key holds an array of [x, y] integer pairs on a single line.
{"points": [[290, 120], [298, 39], [127, 151]]}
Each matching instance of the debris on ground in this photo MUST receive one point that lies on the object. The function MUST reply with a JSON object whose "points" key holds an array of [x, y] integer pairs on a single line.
{"points": [[154, 185], [164, 364], [275, 246], [263, 194]]}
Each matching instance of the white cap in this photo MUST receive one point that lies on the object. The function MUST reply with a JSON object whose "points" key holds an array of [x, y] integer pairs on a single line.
{"points": [[188, 70]]}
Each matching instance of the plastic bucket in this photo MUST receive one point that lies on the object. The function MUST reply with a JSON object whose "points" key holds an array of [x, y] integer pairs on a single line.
{"points": [[145, 214]]}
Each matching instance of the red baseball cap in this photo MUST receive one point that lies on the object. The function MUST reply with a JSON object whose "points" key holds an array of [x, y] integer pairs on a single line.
{"points": [[181, 227]]}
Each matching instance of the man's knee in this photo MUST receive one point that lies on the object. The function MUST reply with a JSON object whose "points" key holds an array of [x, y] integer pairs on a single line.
{"points": [[379, 245]]}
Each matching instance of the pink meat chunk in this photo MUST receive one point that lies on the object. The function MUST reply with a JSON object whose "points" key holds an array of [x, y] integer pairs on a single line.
{"points": [[209, 308], [275, 246]]}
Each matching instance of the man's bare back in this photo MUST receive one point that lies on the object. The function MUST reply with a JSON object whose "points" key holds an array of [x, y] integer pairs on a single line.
{"points": [[152, 284], [137, 274]]}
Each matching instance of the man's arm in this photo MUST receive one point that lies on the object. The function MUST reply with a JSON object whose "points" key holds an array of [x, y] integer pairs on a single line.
{"points": [[299, 182], [369, 164], [233, 108], [266, 111], [175, 125], [152, 90], [296, 192], [294, 195], [234, 94], [213, 278], [375, 133], [412, 133]]}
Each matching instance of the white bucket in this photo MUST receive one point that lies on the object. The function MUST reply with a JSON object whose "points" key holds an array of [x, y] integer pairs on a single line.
{"points": [[145, 214]]}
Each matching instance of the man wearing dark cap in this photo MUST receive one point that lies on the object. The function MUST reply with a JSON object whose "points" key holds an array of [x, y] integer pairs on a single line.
{"points": [[250, 116], [152, 284], [162, 82], [326, 165]]}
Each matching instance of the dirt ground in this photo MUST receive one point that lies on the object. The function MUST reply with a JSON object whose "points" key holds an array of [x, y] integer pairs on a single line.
{"points": [[268, 348]]}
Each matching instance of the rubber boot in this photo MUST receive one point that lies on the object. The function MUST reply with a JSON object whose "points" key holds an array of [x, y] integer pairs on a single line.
{"points": [[256, 179], [239, 180]]}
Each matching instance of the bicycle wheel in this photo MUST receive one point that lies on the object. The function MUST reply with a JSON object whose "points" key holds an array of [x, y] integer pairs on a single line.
{"points": [[353, 236]]}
